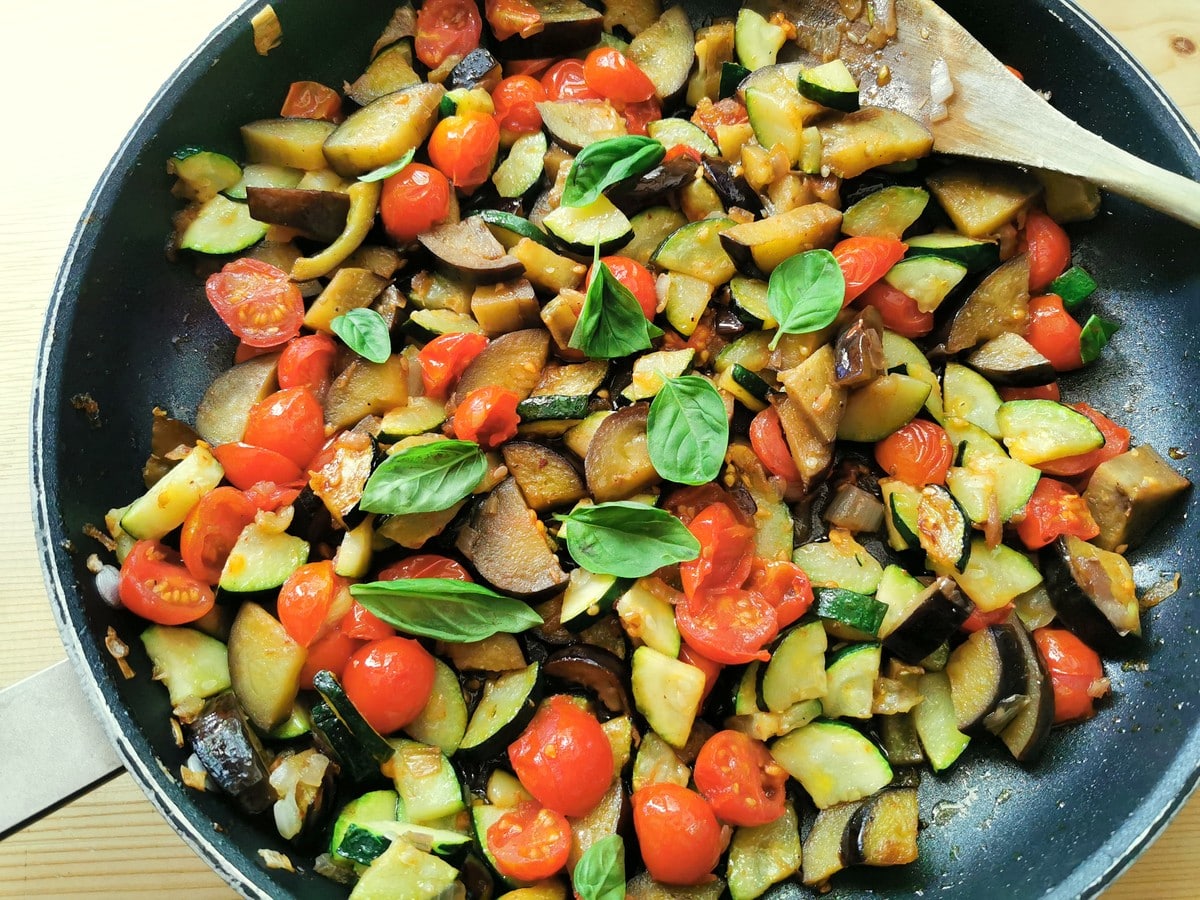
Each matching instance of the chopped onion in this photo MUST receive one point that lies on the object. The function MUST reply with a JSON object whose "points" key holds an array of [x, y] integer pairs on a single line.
{"points": [[268, 34], [107, 580], [193, 774], [297, 781], [854, 509], [325, 866], [273, 859], [941, 89]]}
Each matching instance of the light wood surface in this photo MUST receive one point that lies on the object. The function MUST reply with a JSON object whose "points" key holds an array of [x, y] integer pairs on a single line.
{"points": [[84, 72]]}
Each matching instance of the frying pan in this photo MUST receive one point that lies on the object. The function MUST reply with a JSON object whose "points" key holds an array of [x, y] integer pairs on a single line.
{"points": [[134, 331]]}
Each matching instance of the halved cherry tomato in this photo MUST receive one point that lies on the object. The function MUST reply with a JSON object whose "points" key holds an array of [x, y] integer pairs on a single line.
{"points": [[679, 150], [740, 779], [785, 586], [270, 497], [509, 17], [463, 148], [710, 668], [638, 115], [529, 843], [898, 310], [726, 551], [258, 301], [1054, 332], [446, 28], [211, 529], [770, 445], [515, 100], [155, 585], [364, 625], [534, 68], [313, 601], [1053, 510], [565, 81], [709, 115], [563, 757], [307, 362], [615, 76], [389, 681], [919, 453], [245, 352], [246, 465], [487, 416], [1041, 392], [445, 358], [331, 652], [414, 200], [979, 620], [1076, 673], [1116, 442], [729, 625], [1049, 250], [636, 278], [425, 565], [864, 260], [312, 100], [290, 422], [677, 832]]}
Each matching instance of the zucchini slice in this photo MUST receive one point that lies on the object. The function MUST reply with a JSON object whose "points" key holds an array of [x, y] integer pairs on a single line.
{"points": [[851, 681], [674, 132], [881, 407], [580, 229], [763, 855], [357, 764], [977, 255], [588, 597], [756, 41], [443, 720], [1039, 431], [668, 693], [840, 562], [262, 558], [796, 669], [522, 168], [886, 213], [994, 576], [203, 174], [968, 395], [652, 370], [426, 782], [860, 612], [650, 228], [695, 250], [683, 299], [221, 226], [163, 508], [508, 703], [190, 663], [647, 617], [374, 806], [943, 529], [834, 762], [334, 695], [937, 723], [900, 502], [928, 280], [831, 85]]}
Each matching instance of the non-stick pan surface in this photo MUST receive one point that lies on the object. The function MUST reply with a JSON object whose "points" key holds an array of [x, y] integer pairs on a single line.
{"points": [[133, 331]]}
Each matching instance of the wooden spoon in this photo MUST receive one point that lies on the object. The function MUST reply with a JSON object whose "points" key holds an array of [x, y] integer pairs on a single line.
{"points": [[992, 114]]}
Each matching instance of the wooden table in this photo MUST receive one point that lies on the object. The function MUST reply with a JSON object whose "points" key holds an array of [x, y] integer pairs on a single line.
{"points": [[83, 73]]}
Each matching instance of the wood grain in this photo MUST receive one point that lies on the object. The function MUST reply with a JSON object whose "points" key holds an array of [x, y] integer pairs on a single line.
{"points": [[88, 70]]}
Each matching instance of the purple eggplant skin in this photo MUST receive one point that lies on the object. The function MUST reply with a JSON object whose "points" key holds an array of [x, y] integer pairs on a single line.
{"points": [[930, 625], [733, 189], [568, 27], [1005, 682], [1100, 608], [477, 69], [653, 188], [231, 753], [319, 214], [601, 672], [1026, 733]]}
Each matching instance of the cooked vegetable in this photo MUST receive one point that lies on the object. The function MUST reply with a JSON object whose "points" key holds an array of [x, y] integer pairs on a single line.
{"points": [[1129, 494], [231, 753]]}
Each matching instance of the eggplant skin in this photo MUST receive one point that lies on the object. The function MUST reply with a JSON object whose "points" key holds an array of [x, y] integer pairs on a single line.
{"points": [[230, 752], [1093, 594], [932, 623], [596, 669]]}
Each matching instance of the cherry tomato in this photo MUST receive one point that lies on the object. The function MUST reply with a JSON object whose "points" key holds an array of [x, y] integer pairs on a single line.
{"points": [[364, 625], [389, 681], [740, 779], [245, 353], [211, 529], [677, 832], [425, 565], [615, 76], [312, 100], [488, 416], [638, 115], [516, 113], [785, 586], [270, 497], [1049, 250], [1041, 392], [726, 551], [563, 758], [770, 445], [636, 278], [729, 625], [313, 601], [1076, 673], [1116, 442], [1053, 510], [864, 260], [565, 81], [510, 17], [1054, 332], [680, 150], [919, 453], [535, 68], [414, 200], [979, 620], [258, 302], [709, 115], [329, 653], [445, 358], [898, 310], [686, 503], [290, 422], [307, 362], [463, 148], [155, 585], [446, 28], [529, 843], [710, 668], [246, 465]]}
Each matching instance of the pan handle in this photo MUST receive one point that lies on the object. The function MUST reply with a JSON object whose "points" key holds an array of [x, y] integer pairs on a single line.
{"points": [[52, 746]]}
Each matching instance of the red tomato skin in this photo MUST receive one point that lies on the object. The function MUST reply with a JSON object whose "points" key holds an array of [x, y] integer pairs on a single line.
{"points": [[639, 115], [414, 200], [566, 81], [155, 585], [488, 416], [978, 620], [312, 100], [211, 529], [246, 465], [677, 832], [770, 445], [686, 503], [463, 148], [1055, 509], [864, 260], [510, 17], [740, 779], [636, 278], [445, 358], [446, 28], [728, 625], [1074, 667], [331, 652], [257, 300], [726, 551], [616, 77], [307, 362], [363, 625], [290, 422], [514, 99], [1041, 392], [245, 353], [1054, 333], [530, 843], [1049, 250], [563, 758], [311, 600], [425, 565], [1116, 442], [709, 115], [785, 586], [710, 668], [898, 310], [389, 681], [919, 453]]}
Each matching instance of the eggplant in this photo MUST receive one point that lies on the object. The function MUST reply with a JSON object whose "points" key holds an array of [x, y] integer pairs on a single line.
{"points": [[756, 248], [167, 437], [858, 351], [1026, 734], [601, 672], [576, 123], [617, 464], [568, 27], [883, 831], [999, 305], [383, 130], [546, 478], [984, 671], [507, 545], [872, 137], [388, 72], [321, 215], [264, 666], [1008, 360], [478, 69], [653, 188], [733, 189], [1093, 593], [1129, 494], [514, 360], [665, 52], [470, 247], [930, 622], [366, 389], [225, 407], [231, 753], [339, 483]]}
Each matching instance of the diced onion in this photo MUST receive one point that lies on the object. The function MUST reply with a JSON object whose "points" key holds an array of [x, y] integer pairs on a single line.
{"points": [[941, 89], [107, 581], [854, 509], [273, 859], [268, 34]]}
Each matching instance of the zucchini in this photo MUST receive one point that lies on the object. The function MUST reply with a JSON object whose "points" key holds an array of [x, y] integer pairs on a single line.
{"points": [[402, 872], [375, 806], [851, 676], [426, 324], [833, 762], [674, 132], [508, 703], [796, 669], [657, 763], [426, 782], [220, 226], [508, 228], [582, 229], [968, 395], [755, 40], [650, 228], [695, 250], [522, 168], [732, 385], [763, 855], [648, 618], [357, 764], [861, 612], [746, 691], [749, 296], [928, 280], [262, 558], [588, 597], [191, 664], [881, 407], [443, 720], [652, 370], [943, 529], [422, 414], [886, 213], [668, 693], [831, 85], [1010, 481], [163, 508], [1039, 431], [918, 619], [778, 113], [936, 722], [994, 576], [537, 409], [203, 174], [751, 351], [683, 298], [840, 562], [732, 76], [334, 695], [900, 502], [977, 255]]}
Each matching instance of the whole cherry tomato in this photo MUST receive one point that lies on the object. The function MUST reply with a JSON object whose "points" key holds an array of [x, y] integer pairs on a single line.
{"points": [[488, 416], [463, 148], [329, 653], [565, 81], [389, 681], [740, 779], [636, 278], [414, 200], [1076, 673], [563, 757], [155, 585], [613, 75], [677, 832], [515, 99], [446, 28], [290, 422], [307, 362], [918, 453]]}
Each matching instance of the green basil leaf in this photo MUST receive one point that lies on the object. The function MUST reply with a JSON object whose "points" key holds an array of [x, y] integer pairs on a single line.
{"points": [[606, 162], [805, 293], [611, 323], [600, 872], [626, 539], [364, 332], [1094, 337], [445, 609], [687, 430], [427, 478], [390, 169]]}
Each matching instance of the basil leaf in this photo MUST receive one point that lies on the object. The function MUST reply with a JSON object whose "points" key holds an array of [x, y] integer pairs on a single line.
{"points": [[600, 872], [626, 539], [364, 332], [605, 163], [445, 609], [1094, 337], [390, 169], [687, 430], [427, 478], [611, 323], [805, 293]]}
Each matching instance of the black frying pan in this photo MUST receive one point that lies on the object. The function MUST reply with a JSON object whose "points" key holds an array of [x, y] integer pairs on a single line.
{"points": [[134, 331]]}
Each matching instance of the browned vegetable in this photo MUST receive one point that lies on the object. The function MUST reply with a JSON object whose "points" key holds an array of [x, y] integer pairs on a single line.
{"points": [[264, 666], [618, 463], [1129, 494], [812, 386], [225, 407], [568, 26], [872, 137], [514, 361], [1093, 592], [577, 123], [979, 198], [295, 143], [1000, 304], [384, 130], [665, 52], [811, 453], [350, 288], [170, 439], [758, 247], [505, 306], [388, 72], [231, 753], [593, 668], [319, 214], [654, 188], [339, 483], [733, 189], [469, 247], [365, 388], [858, 351], [477, 69], [498, 653], [1008, 360], [546, 478]]}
